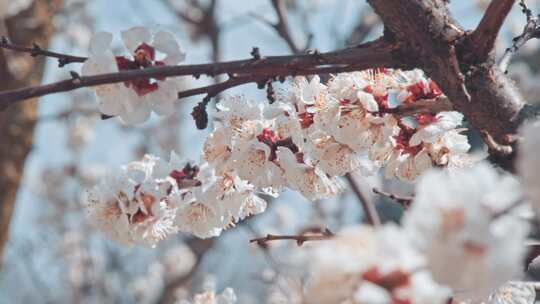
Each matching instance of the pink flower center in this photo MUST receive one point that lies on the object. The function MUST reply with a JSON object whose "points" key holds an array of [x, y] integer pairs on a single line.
{"points": [[403, 138], [390, 281], [269, 137], [188, 173], [420, 91], [381, 99], [425, 119], [143, 57]]}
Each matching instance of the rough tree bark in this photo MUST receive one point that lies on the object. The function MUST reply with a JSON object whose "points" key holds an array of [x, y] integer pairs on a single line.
{"points": [[17, 123]]}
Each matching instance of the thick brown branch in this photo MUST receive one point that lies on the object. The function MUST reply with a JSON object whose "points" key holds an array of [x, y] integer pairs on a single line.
{"points": [[370, 212], [300, 239], [36, 50], [377, 53], [484, 36]]}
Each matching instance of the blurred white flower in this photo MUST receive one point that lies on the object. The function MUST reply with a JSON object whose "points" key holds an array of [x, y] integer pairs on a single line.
{"points": [[12, 7], [80, 133], [178, 262], [362, 265], [148, 287], [466, 218], [529, 163]]}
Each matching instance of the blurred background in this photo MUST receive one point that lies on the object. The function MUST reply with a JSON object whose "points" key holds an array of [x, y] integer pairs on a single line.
{"points": [[51, 151]]}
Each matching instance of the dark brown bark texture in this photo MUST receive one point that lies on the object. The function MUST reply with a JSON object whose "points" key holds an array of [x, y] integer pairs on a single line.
{"points": [[17, 122]]}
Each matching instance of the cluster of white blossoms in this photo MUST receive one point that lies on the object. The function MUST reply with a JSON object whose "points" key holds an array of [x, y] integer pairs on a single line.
{"points": [[473, 221], [463, 236], [315, 133], [305, 141], [134, 100], [148, 200]]}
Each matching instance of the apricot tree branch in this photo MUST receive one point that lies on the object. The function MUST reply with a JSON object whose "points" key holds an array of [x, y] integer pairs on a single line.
{"points": [[430, 38], [404, 201], [530, 30], [485, 34], [494, 147], [377, 53], [418, 33], [300, 239], [282, 26], [36, 50]]}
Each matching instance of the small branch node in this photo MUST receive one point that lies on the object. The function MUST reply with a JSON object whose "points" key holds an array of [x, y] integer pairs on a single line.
{"points": [[270, 93], [256, 53], [494, 147], [76, 78], [199, 113], [300, 239], [405, 201], [36, 50]]}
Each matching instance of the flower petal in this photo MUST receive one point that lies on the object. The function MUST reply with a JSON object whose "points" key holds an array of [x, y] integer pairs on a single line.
{"points": [[133, 37]]}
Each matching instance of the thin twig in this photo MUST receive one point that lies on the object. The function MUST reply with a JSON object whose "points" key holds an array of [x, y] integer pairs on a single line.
{"points": [[367, 205], [495, 147], [508, 208], [36, 50], [300, 239], [530, 30], [282, 26], [404, 201]]}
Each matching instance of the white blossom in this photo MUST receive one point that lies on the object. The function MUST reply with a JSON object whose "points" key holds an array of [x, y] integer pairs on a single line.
{"points": [[443, 122], [129, 206], [362, 265], [311, 181], [134, 100], [464, 219]]}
